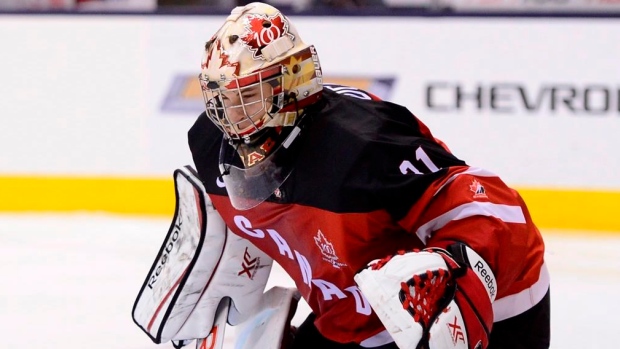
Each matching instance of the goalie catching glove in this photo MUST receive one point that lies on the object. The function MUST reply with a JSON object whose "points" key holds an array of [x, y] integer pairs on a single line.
{"points": [[433, 298]]}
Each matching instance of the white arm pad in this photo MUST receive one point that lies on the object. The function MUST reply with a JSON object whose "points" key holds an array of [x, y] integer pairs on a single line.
{"points": [[199, 263]]}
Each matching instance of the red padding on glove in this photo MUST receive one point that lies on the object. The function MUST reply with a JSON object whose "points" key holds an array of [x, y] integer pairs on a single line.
{"points": [[476, 309]]}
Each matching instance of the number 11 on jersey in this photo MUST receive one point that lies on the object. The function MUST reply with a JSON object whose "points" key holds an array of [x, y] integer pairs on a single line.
{"points": [[421, 156]]}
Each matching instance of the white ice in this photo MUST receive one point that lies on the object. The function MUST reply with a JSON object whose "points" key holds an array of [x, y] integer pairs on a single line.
{"points": [[69, 282]]}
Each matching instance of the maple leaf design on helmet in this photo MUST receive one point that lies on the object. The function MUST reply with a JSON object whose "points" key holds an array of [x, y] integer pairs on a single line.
{"points": [[215, 60], [261, 30]]}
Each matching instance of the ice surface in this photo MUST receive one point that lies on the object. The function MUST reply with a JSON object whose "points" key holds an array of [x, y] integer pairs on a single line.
{"points": [[69, 281]]}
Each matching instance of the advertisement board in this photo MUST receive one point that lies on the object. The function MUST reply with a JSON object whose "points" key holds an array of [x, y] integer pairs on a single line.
{"points": [[110, 98]]}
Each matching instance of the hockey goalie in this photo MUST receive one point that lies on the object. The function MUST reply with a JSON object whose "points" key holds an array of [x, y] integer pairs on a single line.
{"points": [[392, 240]]}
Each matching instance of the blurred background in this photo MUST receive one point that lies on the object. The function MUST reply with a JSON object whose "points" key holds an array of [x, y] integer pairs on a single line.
{"points": [[97, 97], [578, 7]]}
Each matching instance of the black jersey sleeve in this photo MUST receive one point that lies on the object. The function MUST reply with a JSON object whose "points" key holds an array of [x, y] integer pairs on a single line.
{"points": [[204, 140]]}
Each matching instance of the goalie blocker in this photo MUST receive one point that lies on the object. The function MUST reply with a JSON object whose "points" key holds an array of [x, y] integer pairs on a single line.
{"points": [[201, 271]]}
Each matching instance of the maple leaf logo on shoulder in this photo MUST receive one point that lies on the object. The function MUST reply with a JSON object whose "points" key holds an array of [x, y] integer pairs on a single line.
{"points": [[217, 63], [478, 190], [327, 249], [261, 30]]}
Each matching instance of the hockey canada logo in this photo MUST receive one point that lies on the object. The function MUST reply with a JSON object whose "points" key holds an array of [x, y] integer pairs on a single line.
{"points": [[327, 249], [478, 190]]}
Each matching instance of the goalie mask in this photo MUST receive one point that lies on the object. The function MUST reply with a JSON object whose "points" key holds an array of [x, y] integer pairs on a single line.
{"points": [[257, 79]]}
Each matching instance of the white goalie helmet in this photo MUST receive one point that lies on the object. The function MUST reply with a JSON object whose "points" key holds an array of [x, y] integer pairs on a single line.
{"points": [[258, 80], [258, 73]]}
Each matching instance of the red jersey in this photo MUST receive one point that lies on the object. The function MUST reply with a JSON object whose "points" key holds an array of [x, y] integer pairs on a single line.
{"points": [[369, 179]]}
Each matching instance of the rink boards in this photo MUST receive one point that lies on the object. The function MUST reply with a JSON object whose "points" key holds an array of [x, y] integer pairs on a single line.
{"points": [[92, 129]]}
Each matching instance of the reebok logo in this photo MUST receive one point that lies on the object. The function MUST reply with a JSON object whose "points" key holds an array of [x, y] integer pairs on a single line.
{"points": [[170, 246], [486, 277]]}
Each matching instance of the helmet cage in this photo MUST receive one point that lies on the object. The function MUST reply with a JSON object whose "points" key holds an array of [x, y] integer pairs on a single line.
{"points": [[240, 106]]}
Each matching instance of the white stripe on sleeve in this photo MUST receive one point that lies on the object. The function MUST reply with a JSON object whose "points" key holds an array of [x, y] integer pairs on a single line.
{"points": [[505, 213], [515, 304], [475, 171]]}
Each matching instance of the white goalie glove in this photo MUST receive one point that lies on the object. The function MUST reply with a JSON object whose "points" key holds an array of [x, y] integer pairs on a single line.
{"points": [[204, 277], [428, 300]]}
